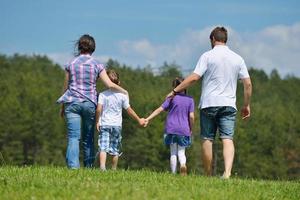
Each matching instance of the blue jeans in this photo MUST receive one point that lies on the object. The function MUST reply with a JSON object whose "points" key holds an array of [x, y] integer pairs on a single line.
{"points": [[213, 118], [80, 116]]}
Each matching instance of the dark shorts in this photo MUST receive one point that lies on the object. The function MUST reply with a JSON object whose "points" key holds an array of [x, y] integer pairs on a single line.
{"points": [[213, 118], [181, 140]]}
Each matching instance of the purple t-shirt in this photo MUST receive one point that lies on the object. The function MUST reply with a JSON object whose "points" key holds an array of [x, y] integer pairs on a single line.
{"points": [[178, 109]]}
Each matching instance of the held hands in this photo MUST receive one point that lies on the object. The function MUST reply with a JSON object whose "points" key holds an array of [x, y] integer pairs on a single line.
{"points": [[245, 112], [146, 124], [143, 122]]}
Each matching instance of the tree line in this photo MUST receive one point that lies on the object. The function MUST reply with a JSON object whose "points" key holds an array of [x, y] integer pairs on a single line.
{"points": [[32, 133]]}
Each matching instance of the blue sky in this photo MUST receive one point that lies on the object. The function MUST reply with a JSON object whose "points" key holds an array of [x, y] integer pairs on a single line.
{"points": [[150, 32]]}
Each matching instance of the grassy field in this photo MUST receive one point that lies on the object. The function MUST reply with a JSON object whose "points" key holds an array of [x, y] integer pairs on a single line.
{"points": [[61, 183]]}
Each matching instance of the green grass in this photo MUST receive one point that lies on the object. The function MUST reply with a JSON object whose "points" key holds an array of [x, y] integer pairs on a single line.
{"points": [[61, 183]]}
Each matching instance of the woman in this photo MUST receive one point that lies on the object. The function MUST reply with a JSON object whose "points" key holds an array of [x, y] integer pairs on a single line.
{"points": [[80, 99]]}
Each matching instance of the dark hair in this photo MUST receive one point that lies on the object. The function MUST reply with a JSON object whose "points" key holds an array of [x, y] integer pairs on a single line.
{"points": [[177, 82], [219, 33], [85, 45], [113, 76]]}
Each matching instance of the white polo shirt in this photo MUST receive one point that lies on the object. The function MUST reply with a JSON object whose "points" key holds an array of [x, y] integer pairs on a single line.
{"points": [[112, 104], [220, 68]]}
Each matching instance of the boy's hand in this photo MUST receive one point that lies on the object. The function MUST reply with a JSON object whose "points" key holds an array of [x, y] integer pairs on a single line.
{"points": [[146, 123], [143, 122], [62, 111], [98, 126]]}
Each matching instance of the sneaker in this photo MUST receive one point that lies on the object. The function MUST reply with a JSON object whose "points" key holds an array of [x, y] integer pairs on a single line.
{"points": [[183, 170], [224, 177]]}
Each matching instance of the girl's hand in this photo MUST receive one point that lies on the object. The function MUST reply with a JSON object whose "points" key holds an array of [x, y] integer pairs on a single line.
{"points": [[98, 126], [143, 122], [147, 120]]}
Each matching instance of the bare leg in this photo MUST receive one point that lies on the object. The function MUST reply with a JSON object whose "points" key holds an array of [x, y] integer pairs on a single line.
{"points": [[228, 154], [102, 159], [114, 162], [207, 156]]}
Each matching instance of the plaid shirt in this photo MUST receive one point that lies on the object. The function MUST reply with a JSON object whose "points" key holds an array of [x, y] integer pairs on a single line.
{"points": [[84, 71]]}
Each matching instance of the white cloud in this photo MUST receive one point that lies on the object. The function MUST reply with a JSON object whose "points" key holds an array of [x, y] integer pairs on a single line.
{"points": [[60, 58], [274, 47]]}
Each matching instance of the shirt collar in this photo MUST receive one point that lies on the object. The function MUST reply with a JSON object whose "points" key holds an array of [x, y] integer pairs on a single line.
{"points": [[221, 46], [86, 55]]}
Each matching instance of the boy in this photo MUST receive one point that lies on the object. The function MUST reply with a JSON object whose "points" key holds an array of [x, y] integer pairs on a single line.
{"points": [[109, 121]]}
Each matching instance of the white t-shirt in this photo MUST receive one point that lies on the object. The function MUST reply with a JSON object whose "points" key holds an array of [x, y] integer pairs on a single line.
{"points": [[112, 104], [220, 68]]}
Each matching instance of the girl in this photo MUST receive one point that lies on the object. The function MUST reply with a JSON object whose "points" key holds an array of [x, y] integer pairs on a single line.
{"points": [[178, 126], [79, 100]]}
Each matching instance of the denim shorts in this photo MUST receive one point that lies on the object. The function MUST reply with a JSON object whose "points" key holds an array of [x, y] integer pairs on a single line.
{"points": [[221, 118], [110, 139], [181, 140]]}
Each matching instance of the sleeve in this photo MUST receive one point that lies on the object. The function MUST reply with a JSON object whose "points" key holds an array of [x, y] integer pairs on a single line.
{"points": [[126, 104], [67, 67], [99, 68], [101, 99], [166, 104], [243, 73], [192, 106], [201, 66]]}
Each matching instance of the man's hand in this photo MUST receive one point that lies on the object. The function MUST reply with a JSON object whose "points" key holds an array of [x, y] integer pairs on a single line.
{"points": [[170, 95], [245, 112]]}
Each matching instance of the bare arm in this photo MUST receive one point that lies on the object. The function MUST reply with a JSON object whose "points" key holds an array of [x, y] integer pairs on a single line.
{"points": [[188, 81], [192, 120], [247, 96], [155, 113], [65, 87], [108, 83], [98, 114], [132, 114]]}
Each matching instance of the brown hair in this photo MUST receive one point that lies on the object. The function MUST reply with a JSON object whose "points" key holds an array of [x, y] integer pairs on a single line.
{"points": [[177, 82], [113, 76], [85, 45], [219, 34]]}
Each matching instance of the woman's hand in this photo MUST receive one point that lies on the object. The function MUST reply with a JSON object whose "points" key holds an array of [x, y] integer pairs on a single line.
{"points": [[98, 126]]}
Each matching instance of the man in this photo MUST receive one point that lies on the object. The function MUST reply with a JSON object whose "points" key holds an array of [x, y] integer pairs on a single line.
{"points": [[219, 68]]}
